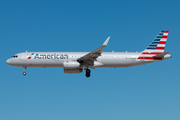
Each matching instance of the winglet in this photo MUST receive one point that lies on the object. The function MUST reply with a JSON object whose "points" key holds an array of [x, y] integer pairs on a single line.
{"points": [[106, 42]]}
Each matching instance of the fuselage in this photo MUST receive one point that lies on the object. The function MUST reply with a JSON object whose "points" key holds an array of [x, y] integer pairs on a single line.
{"points": [[75, 62], [56, 59]]}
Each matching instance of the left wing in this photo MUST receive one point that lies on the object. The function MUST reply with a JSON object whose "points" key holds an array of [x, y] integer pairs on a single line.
{"points": [[92, 56]]}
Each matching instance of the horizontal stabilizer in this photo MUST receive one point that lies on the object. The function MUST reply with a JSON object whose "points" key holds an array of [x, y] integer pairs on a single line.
{"points": [[161, 55]]}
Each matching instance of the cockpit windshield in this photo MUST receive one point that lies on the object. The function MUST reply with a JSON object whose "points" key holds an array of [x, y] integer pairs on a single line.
{"points": [[14, 56]]}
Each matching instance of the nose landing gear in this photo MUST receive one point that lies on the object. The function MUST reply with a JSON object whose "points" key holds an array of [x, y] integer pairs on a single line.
{"points": [[24, 73], [88, 73]]}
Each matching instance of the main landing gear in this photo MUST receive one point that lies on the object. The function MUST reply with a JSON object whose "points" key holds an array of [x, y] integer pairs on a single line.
{"points": [[24, 73], [88, 73]]}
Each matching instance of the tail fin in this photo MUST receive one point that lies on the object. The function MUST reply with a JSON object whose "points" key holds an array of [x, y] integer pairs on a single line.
{"points": [[158, 44], [156, 47]]}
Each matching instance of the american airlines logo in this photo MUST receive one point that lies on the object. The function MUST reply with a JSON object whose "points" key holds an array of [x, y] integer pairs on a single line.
{"points": [[51, 56], [30, 56]]}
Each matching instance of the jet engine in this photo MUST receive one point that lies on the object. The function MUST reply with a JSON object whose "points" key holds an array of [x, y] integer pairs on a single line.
{"points": [[71, 65]]}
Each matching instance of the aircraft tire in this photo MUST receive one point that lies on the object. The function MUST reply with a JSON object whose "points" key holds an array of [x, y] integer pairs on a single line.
{"points": [[24, 73], [87, 74], [88, 71]]}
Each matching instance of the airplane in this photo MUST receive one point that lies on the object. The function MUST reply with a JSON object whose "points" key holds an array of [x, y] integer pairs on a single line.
{"points": [[75, 62]]}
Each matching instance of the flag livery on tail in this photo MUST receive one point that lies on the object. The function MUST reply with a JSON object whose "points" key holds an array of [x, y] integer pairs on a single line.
{"points": [[155, 48]]}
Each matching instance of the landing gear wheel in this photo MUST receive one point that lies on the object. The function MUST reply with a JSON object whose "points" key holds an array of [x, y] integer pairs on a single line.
{"points": [[88, 71], [24, 73], [87, 74]]}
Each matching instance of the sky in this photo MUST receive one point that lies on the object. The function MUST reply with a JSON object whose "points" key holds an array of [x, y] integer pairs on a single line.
{"points": [[140, 93]]}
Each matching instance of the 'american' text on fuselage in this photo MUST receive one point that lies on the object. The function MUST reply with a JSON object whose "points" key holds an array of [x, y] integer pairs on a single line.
{"points": [[51, 56]]}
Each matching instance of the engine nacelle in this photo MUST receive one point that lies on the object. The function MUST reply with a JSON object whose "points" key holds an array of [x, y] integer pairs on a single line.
{"points": [[71, 65], [70, 71]]}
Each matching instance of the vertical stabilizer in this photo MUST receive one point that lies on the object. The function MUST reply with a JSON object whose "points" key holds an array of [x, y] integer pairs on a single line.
{"points": [[156, 47], [158, 44]]}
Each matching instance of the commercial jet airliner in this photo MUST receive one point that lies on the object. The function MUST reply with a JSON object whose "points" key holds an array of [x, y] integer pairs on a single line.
{"points": [[75, 62]]}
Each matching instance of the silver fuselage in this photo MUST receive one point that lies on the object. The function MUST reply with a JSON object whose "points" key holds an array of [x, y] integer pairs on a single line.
{"points": [[56, 59]]}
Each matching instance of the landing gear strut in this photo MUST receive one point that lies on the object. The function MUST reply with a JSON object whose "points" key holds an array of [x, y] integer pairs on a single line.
{"points": [[88, 73], [24, 73]]}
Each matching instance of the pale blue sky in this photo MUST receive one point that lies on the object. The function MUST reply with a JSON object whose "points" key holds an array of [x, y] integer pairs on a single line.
{"points": [[148, 92]]}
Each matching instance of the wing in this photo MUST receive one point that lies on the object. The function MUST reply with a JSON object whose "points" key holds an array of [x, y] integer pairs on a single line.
{"points": [[92, 56]]}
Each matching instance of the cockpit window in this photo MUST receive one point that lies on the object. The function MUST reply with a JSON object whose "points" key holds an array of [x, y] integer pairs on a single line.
{"points": [[14, 56]]}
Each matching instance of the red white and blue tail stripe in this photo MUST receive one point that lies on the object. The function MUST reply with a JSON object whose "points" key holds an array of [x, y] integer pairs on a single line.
{"points": [[156, 47]]}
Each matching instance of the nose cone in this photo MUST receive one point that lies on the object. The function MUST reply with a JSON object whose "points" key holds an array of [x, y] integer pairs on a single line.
{"points": [[8, 61]]}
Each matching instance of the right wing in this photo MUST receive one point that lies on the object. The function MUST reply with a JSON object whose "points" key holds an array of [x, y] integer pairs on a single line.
{"points": [[92, 56]]}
